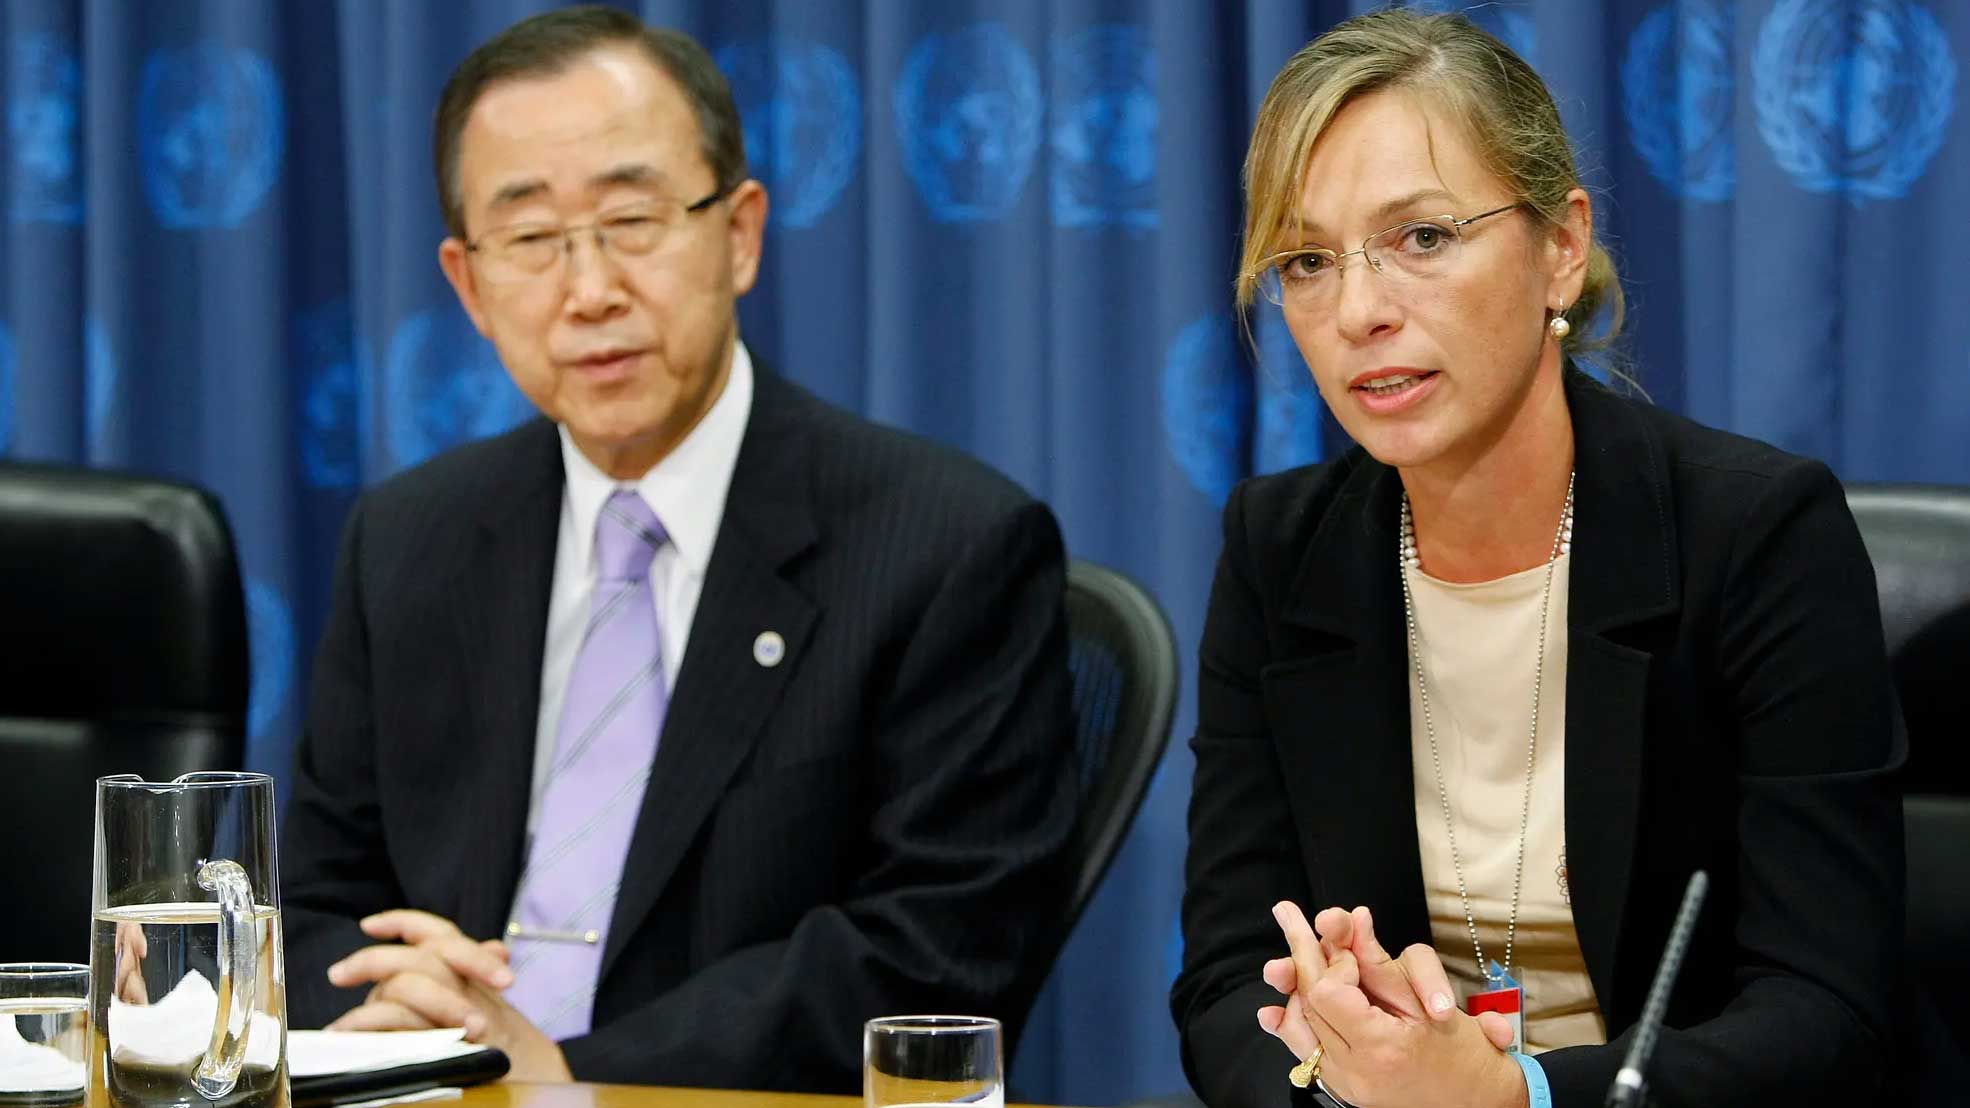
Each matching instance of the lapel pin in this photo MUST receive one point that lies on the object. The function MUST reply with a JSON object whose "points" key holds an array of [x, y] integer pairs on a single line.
{"points": [[769, 648]]}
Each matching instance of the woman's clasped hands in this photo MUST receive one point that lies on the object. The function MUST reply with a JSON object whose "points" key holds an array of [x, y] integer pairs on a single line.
{"points": [[1388, 1029]]}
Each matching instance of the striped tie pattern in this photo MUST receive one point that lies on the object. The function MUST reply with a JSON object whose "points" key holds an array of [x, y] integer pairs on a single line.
{"points": [[610, 720]]}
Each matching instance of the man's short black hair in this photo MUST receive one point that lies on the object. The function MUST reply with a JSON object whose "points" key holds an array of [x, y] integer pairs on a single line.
{"points": [[548, 44]]}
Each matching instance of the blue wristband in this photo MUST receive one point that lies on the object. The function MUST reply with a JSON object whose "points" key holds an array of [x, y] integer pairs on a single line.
{"points": [[1538, 1093]]}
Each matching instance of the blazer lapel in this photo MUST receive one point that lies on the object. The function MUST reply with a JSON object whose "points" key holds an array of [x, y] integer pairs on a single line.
{"points": [[1339, 704], [1624, 573], [723, 695], [501, 616]]}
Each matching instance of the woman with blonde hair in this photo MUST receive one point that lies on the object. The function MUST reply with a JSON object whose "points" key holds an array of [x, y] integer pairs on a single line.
{"points": [[1489, 687]]}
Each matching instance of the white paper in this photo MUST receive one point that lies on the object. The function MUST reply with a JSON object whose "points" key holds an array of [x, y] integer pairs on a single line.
{"points": [[32, 1068], [176, 1030], [315, 1053]]}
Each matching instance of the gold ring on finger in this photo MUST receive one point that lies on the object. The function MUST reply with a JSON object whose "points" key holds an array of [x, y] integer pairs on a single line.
{"points": [[1307, 1072]]}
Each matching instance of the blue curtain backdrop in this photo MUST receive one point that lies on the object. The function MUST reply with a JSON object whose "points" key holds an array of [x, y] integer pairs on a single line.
{"points": [[1008, 225]]}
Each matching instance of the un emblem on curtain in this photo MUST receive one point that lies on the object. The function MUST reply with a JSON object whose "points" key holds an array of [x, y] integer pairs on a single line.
{"points": [[443, 385], [211, 131], [1676, 90], [330, 367], [1853, 95], [1225, 418], [801, 109], [44, 105], [968, 117], [1103, 135]]}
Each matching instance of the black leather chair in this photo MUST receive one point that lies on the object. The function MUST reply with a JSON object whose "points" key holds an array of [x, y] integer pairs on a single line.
{"points": [[125, 652], [1124, 662], [1918, 537]]}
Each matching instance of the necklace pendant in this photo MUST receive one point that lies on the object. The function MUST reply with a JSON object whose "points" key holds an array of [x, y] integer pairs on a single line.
{"points": [[1503, 996]]}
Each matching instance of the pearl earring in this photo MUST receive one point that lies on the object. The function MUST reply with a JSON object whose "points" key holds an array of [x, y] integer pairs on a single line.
{"points": [[1559, 326]]}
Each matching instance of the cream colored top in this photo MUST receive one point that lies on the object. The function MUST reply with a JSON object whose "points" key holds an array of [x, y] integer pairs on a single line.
{"points": [[1479, 642]]}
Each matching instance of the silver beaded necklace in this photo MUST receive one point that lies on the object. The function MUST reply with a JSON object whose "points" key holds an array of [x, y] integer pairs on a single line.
{"points": [[1407, 559]]}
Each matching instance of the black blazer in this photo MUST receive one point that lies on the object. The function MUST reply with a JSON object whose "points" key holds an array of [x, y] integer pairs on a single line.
{"points": [[1728, 708], [871, 827]]}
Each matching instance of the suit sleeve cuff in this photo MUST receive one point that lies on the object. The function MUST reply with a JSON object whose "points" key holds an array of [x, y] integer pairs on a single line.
{"points": [[1538, 1094]]}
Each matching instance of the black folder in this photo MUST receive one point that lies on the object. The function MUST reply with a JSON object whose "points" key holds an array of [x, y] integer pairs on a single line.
{"points": [[342, 1088]]}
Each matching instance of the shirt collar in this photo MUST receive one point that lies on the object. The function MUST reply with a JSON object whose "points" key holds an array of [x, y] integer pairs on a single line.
{"points": [[686, 489]]}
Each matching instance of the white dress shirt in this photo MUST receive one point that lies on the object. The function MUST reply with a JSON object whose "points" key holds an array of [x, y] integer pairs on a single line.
{"points": [[687, 491]]}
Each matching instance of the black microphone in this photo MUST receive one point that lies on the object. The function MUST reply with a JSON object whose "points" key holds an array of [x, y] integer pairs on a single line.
{"points": [[1626, 1092]]}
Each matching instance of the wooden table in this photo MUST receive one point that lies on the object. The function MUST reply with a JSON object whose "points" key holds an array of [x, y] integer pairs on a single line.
{"points": [[519, 1095]]}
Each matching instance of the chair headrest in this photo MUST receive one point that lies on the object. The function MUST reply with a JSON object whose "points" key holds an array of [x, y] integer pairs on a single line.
{"points": [[1918, 537], [122, 596]]}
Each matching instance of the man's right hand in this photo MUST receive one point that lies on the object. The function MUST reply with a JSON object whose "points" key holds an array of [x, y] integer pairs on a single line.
{"points": [[421, 975]]}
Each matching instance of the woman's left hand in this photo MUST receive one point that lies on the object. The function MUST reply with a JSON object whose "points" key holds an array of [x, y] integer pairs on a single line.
{"points": [[1374, 1057]]}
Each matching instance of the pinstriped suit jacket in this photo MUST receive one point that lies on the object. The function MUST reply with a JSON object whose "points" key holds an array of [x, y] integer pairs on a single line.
{"points": [[874, 826]]}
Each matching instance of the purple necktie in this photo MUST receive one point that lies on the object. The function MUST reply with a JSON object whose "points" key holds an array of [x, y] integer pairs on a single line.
{"points": [[602, 754]]}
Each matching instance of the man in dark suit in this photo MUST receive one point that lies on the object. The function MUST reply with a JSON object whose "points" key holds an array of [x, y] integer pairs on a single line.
{"points": [[737, 719]]}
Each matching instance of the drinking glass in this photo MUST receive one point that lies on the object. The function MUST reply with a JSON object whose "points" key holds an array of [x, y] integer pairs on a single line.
{"points": [[44, 1019], [919, 1061]]}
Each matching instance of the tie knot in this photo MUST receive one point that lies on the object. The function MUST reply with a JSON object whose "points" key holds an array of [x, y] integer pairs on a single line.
{"points": [[627, 535]]}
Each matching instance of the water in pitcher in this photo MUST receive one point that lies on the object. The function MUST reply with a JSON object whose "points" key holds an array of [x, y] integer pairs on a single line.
{"points": [[155, 990]]}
